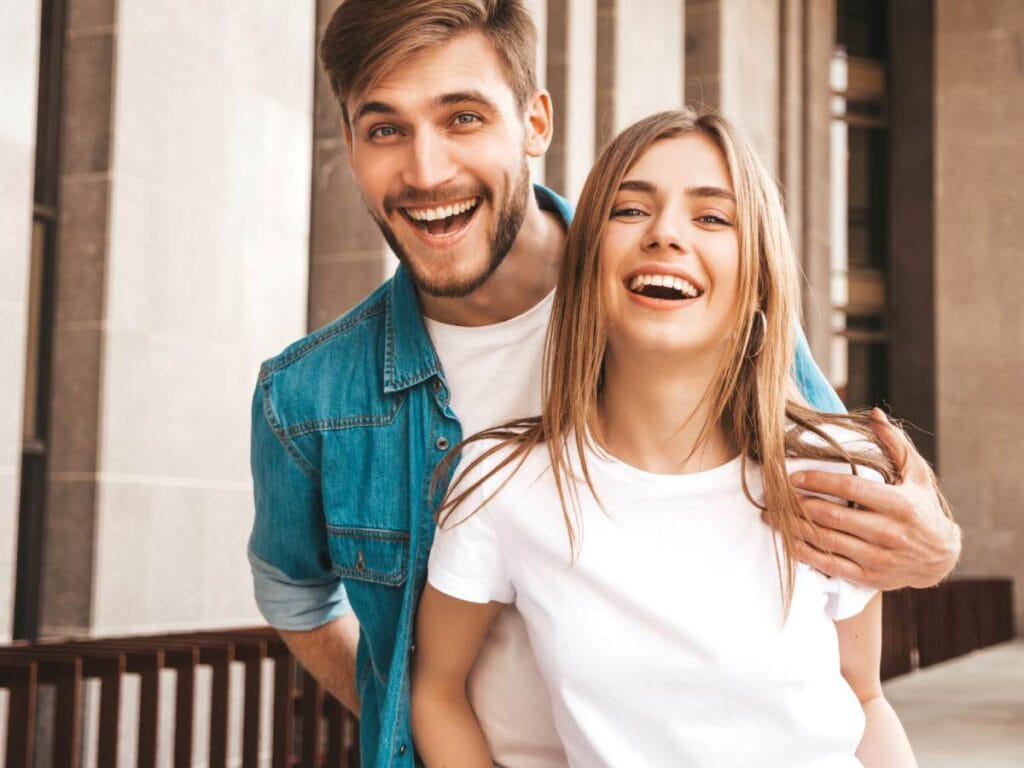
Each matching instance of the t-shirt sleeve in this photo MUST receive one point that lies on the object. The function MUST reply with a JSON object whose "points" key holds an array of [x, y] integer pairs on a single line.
{"points": [[844, 599], [467, 560]]}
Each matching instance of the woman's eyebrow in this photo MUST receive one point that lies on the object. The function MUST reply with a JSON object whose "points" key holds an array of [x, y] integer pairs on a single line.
{"points": [[711, 192], [636, 185]]}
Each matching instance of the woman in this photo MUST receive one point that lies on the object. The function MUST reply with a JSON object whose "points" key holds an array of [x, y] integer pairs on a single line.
{"points": [[671, 625]]}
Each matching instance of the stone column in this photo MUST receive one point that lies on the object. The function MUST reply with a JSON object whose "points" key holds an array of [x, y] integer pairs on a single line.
{"points": [[19, 67], [979, 330], [640, 54], [571, 79], [348, 258], [182, 262]]}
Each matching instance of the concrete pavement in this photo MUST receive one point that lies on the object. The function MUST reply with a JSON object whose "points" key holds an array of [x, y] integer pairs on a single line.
{"points": [[966, 712]]}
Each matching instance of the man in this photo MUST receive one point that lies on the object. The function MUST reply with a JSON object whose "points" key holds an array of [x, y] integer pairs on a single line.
{"points": [[440, 115]]}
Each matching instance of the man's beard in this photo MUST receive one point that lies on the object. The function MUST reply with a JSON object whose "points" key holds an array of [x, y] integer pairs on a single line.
{"points": [[508, 222]]}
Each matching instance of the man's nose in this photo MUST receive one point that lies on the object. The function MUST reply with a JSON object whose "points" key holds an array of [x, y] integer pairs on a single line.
{"points": [[430, 163]]}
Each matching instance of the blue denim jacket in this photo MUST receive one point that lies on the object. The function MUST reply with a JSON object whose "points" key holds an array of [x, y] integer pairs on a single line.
{"points": [[348, 425]]}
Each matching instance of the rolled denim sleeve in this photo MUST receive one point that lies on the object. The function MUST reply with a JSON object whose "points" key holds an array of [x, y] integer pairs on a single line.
{"points": [[811, 381], [294, 583]]}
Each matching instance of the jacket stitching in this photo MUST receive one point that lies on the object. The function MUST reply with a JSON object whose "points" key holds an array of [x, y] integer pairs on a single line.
{"points": [[343, 327], [289, 446]]}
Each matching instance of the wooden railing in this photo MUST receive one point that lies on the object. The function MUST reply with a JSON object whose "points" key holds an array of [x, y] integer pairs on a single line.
{"points": [[921, 627], [309, 728]]}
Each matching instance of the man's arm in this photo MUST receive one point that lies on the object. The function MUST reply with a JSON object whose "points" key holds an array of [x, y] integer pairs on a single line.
{"points": [[295, 587], [329, 654], [898, 535]]}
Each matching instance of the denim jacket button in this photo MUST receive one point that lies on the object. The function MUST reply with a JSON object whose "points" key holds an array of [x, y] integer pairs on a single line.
{"points": [[360, 561], [401, 750], [442, 443], [436, 386]]}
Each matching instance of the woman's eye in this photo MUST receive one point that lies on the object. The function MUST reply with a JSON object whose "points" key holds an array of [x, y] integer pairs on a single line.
{"points": [[713, 218], [627, 212]]}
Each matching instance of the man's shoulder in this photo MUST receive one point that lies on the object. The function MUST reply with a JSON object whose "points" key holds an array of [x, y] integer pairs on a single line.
{"points": [[338, 367]]}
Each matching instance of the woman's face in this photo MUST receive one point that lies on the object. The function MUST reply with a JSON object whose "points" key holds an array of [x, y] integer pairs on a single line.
{"points": [[669, 255]]}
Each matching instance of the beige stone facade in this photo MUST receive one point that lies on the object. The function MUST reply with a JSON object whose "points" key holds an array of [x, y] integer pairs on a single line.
{"points": [[208, 217]]}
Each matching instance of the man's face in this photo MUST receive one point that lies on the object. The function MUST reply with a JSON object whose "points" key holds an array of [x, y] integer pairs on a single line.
{"points": [[438, 149]]}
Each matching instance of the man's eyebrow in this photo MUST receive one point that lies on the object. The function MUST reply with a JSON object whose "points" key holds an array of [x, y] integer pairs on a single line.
{"points": [[461, 97], [633, 185], [373, 108]]}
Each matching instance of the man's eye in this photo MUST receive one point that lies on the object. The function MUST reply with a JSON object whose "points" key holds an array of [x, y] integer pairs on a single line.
{"points": [[466, 118], [383, 132]]}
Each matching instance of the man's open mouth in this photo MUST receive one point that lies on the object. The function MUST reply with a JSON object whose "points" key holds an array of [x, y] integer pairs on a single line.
{"points": [[661, 286], [442, 219]]}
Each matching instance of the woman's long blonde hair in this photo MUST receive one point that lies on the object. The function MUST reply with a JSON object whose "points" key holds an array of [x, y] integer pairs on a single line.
{"points": [[753, 396]]}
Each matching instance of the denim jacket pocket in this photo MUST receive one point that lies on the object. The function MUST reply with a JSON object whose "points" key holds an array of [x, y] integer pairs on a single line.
{"points": [[376, 555]]}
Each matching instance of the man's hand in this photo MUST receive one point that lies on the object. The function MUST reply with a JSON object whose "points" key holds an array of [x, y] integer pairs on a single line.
{"points": [[898, 536], [329, 654]]}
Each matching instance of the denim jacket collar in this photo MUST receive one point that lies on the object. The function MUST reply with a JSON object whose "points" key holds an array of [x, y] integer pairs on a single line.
{"points": [[409, 356]]}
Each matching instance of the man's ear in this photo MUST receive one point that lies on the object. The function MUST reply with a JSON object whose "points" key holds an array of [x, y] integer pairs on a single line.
{"points": [[540, 124], [346, 135]]}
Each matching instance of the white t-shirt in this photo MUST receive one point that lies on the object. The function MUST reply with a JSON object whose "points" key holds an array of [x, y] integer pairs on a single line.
{"points": [[494, 375], [663, 644]]}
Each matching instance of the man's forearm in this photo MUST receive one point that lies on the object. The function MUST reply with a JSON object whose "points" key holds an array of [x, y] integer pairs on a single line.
{"points": [[329, 654]]}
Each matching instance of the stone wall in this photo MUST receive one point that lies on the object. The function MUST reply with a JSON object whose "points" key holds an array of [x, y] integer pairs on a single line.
{"points": [[979, 271]]}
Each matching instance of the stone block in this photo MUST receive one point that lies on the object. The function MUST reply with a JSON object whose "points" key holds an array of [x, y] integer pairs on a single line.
{"points": [[90, 14], [340, 222], [74, 403], [337, 286], [66, 585], [88, 103], [82, 249]]}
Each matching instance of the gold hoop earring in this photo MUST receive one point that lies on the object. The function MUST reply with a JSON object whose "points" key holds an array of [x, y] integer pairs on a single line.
{"points": [[751, 355]]}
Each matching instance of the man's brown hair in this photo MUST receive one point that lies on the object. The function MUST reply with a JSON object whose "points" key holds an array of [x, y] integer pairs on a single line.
{"points": [[367, 38]]}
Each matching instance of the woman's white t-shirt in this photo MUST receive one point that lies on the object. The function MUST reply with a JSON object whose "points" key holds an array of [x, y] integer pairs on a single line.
{"points": [[663, 643]]}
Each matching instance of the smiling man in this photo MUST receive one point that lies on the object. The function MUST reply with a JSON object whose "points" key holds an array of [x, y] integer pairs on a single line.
{"points": [[441, 114]]}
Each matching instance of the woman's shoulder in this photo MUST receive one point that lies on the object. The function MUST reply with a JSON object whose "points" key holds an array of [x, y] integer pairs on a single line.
{"points": [[857, 444], [500, 470]]}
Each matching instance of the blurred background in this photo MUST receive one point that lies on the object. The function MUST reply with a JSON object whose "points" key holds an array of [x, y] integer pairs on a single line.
{"points": [[175, 207]]}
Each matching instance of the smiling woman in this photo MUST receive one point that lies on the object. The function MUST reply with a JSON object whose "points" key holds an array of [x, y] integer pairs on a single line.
{"points": [[670, 423]]}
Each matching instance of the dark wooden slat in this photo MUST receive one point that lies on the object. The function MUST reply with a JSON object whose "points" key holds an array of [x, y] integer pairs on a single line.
{"points": [[20, 680], [184, 702], [252, 656], [312, 710], [220, 663], [335, 714], [148, 668], [110, 713], [284, 711], [67, 738]]}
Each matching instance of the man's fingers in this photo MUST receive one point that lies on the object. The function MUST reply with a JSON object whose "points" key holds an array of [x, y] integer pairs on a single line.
{"points": [[829, 564], [902, 452], [864, 525], [866, 493]]}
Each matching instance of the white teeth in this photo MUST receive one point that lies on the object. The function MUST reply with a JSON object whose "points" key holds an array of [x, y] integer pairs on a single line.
{"points": [[442, 212], [685, 287]]}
